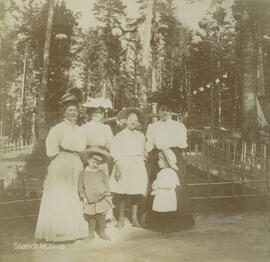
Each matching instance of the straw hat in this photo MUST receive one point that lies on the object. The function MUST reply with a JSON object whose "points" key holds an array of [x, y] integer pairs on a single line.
{"points": [[98, 102], [123, 114], [95, 151], [170, 158]]}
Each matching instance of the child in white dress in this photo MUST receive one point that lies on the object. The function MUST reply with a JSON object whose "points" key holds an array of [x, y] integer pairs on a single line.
{"points": [[129, 178], [165, 199]]}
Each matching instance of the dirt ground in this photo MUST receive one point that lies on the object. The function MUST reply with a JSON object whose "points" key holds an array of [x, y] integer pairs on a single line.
{"points": [[233, 236]]}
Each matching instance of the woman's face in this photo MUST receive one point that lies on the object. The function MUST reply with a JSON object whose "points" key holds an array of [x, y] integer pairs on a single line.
{"points": [[71, 113], [132, 121], [164, 112], [97, 116]]}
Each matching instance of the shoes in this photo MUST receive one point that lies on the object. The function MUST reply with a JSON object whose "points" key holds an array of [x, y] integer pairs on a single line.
{"points": [[135, 223], [120, 224], [105, 237], [143, 220], [91, 236]]}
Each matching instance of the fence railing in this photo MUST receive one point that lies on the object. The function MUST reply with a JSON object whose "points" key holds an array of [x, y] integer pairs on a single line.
{"points": [[8, 145], [226, 159], [231, 167]]}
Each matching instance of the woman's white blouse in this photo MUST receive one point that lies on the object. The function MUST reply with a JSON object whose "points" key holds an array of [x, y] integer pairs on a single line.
{"points": [[97, 134], [128, 143], [166, 134], [67, 135]]}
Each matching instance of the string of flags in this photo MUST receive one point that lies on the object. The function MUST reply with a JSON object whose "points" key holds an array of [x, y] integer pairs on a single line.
{"points": [[208, 86]]}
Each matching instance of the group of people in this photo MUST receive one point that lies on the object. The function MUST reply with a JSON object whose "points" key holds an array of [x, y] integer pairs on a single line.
{"points": [[94, 172]]}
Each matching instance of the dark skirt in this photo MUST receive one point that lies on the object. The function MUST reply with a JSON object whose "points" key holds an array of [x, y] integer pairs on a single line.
{"points": [[183, 218]]}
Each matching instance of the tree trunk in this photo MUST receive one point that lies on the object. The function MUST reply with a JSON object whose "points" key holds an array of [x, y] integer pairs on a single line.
{"points": [[42, 127], [145, 72], [260, 60], [248, 63]]}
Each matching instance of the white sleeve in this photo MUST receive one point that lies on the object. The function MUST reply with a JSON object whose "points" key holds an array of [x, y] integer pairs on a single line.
{"points": [[53, 142], [181, 136], [177, 181], [116, 148], [150, 144], [82, 142], [109, 136]]}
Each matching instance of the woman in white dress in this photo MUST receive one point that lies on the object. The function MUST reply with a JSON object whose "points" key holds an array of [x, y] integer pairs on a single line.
{"points": [[169, 134], [129, 178], [96, 133], [61, 215]]}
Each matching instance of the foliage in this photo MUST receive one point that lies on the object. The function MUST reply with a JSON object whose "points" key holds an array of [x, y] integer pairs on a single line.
{"points": [[103, 53], [215, 53], [31, 29]]}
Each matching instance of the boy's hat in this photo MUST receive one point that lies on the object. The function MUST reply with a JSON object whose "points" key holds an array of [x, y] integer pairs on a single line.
{"points": [[170, 158], [123, 114], [92, 151]]}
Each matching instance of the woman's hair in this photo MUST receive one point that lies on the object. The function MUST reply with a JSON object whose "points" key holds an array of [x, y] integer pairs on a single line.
{"points": [[132, 113], [91, 110], [64, 106], [169, 106]]}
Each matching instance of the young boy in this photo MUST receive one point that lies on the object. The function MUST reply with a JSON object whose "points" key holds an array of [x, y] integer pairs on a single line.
{"points": [[94, 191]]}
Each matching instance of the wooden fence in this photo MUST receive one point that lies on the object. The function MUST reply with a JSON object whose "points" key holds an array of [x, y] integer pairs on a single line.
{"points": [[18, 145], [229, 167], [227, 161]]}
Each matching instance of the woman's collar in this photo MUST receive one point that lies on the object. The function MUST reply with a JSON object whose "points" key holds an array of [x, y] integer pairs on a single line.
{"points": [[69, 122], [130, 131], [166, 121], [94, 122], [91, 170]]}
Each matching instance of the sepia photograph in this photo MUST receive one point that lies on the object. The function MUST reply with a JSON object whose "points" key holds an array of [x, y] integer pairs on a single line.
{"points": [[135, 130]]}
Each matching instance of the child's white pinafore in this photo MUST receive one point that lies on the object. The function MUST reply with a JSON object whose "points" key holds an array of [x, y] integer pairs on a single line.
{"points": [[165, 199]]}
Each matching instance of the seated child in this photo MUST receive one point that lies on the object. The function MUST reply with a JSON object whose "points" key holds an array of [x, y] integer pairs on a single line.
{"points": [[165, 200], [94, 191]]}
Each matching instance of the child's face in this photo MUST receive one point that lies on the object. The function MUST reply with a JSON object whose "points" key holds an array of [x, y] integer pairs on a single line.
{"points": [[132, 121], [93, 162], [161, 162]]}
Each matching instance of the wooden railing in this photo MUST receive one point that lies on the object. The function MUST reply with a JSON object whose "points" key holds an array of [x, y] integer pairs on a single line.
{"points": [[229, 167], [18, 145], [226, 159]]}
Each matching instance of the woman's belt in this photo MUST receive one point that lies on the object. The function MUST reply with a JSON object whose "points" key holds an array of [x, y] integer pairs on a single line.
{"points": [[67, 150]]}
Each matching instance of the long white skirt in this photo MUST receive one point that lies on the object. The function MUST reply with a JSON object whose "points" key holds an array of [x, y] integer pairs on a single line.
{"points": [[61, 211], [133, 177]]}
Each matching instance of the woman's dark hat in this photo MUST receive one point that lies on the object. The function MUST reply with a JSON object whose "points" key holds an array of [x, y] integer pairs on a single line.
{"points": [[169, 97], [73, 94], [95, 151], [123, 114]]}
